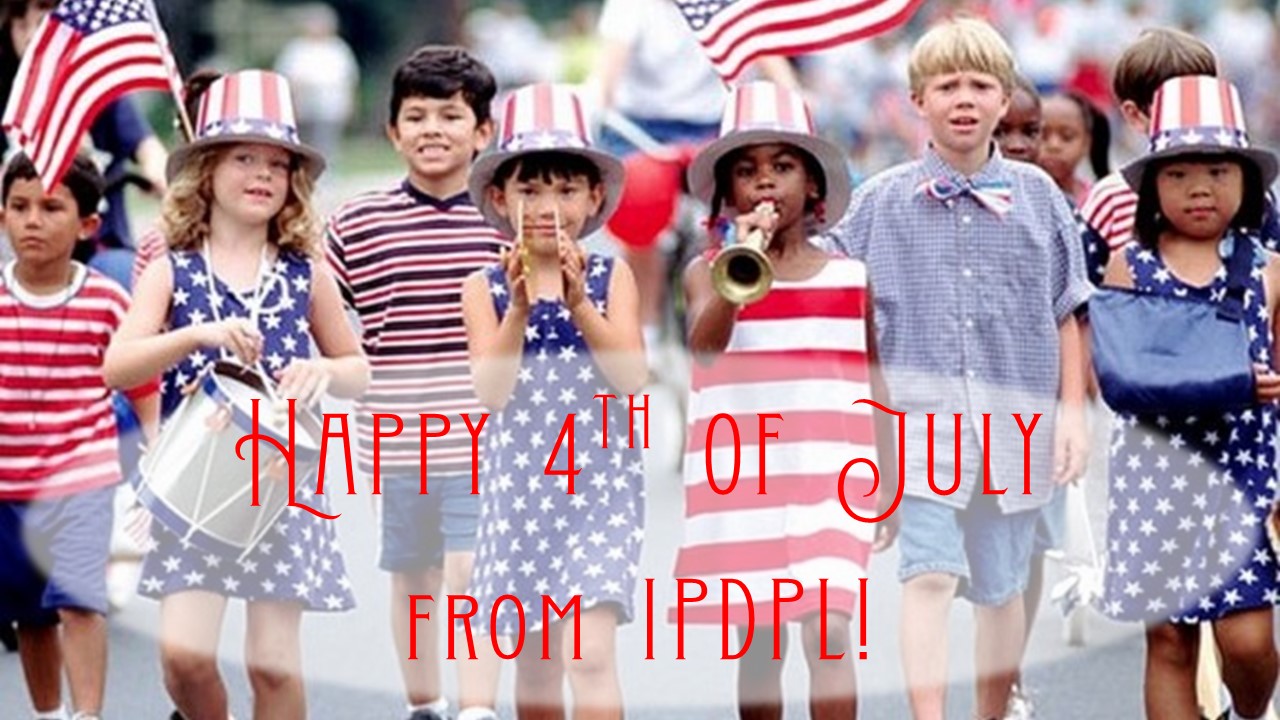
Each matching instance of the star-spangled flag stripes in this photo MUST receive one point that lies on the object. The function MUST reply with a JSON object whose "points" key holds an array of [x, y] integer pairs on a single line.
{"points": [[83, 55], [735, 32]]}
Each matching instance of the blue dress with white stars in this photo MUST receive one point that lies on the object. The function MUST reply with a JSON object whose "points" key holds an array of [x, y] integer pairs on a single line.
{"points": [[535, 539], [1190, 496], [299, 560]]}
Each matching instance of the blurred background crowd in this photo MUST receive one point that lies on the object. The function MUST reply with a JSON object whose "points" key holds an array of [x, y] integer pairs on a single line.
{"points": [[339, 54]]}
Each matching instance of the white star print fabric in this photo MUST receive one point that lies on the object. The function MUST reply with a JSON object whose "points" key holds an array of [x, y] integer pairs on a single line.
{"points": [[1190, 496], [299, 560], [534, 539]]}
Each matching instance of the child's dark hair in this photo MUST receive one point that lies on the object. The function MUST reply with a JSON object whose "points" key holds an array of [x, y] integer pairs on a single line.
{"points": [[1023, 83], [83, 179], [1149, 221], [1098, 128], [193, 91], [440, 72], [547, 165], [1157, 55], [724, 181]]}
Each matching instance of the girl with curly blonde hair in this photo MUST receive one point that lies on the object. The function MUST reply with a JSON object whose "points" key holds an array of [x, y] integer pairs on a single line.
{"points": [[242, 281]]}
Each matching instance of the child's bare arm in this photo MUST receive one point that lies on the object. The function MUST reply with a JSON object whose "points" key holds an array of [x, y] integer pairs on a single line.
{"points": [[615, 340], [1071, 435], [342, 369], [711, 317], [1266, 380], [885, 430], [140, 351], [1118, 273], [495, 348], [147, 408]]}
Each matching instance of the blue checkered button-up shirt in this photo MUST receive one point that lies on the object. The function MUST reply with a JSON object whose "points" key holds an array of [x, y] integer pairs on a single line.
{"points": [[967, 310]]}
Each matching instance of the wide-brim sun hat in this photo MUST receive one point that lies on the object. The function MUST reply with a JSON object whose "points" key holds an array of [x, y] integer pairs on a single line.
{"points": [[759, 113], [544, 118], [1199, 115], [249, 106]]}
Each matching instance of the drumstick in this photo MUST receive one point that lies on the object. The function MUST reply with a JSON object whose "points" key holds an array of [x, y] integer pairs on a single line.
{"points": [[524, 252]]}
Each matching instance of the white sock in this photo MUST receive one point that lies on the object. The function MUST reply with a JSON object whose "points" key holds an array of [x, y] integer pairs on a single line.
{"points": [[1237, 716], [438, 706], [59, 713], [477, 713]]}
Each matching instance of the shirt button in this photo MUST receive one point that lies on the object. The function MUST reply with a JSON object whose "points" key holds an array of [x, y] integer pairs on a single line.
{"points": [[967, 272], [970, 374], [966, 219], [968, 323], [951, 203]]}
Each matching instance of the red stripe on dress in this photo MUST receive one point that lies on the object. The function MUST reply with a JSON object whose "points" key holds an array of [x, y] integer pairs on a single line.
{"points": [[742, 368], [852, 426], [708, 612], [727, 558], [808, 303], [781, 490]]}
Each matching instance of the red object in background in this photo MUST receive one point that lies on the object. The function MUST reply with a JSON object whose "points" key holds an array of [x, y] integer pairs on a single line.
{"points": [[649, 196], [1091, 80]]}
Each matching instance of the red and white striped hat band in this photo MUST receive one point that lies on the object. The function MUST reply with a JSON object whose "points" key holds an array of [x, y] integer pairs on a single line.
{"points": [[1197, 110], [250, 102], [543, 117], [766, 106]]}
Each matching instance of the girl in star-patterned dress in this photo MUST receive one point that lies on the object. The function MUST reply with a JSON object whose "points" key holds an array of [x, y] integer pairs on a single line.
{"points": [[241, 282], [1191, 496], [551, 328]]}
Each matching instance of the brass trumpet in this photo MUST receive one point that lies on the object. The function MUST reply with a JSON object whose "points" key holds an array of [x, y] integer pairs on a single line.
{"points": [[741, 272]]}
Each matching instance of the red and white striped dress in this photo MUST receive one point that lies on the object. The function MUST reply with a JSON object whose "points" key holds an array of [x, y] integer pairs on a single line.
{"points": [[800, 352]]}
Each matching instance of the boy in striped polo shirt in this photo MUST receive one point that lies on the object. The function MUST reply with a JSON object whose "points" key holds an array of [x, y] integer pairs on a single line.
{"points": [[58, 455], [401, 256]]}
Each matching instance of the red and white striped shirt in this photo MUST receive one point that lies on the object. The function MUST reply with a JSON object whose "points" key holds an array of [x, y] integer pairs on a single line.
{"points": [[57, 425], [800, 352], [1109, 210], [400, 257]]}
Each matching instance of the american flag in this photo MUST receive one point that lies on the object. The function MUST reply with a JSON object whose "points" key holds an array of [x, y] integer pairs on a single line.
{"points": [[735, 32], [83, 55]]}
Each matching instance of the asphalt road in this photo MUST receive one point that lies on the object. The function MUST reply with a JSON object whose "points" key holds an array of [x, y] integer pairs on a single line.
{"points": [[351, 672]]}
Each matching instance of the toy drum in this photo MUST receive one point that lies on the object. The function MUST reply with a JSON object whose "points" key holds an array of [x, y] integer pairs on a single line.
{"points": [[194, 483]]}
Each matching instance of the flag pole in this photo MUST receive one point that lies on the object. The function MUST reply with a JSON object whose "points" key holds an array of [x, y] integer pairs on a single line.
{"points": [[175, 77]]}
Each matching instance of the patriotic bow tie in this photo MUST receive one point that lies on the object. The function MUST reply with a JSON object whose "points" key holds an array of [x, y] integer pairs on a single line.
{"points": [[994, 195]]}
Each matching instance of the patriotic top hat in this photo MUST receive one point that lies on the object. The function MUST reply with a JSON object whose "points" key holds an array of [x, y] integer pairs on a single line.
{"points": [[762, 112], [1198, 114], [544, 118], [250, 106]]}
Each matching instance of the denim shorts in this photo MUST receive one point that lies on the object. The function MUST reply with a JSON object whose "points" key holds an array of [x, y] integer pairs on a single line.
{"points": [[988, 550], [53, 555], [417, 530]]}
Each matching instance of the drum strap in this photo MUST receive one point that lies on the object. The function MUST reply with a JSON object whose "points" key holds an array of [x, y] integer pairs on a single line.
{"points": [[266, 277]]}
